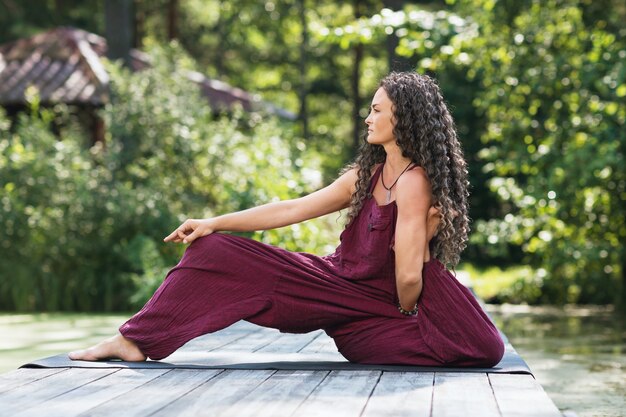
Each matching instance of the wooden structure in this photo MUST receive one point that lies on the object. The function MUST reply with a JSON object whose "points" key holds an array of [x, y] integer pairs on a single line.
{"points": [[151, 391], [65, 66]]}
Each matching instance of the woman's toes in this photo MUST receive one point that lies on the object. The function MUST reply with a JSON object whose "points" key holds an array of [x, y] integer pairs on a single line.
{"points": [[82, 355], [116, 347], [76, 355]]}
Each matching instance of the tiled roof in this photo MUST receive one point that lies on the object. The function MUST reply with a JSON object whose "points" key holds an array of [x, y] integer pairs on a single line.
{"points": [[64, 65]]}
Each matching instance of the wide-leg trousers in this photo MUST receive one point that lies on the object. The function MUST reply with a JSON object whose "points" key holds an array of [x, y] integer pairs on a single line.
{"points": [[222, 279]]}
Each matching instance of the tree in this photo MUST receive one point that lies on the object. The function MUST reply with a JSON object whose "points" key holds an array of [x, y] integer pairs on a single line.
{"points": [[356, 83], [552, 87], [28, 17], [304, 36], [84, 227], [119, 29]]}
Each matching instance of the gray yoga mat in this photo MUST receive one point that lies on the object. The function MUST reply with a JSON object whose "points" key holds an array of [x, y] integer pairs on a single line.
{"points": [[511, 363]]}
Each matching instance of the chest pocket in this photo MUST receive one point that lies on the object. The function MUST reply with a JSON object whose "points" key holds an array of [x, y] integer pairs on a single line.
{"points": [[376, 241], [378, 224]]}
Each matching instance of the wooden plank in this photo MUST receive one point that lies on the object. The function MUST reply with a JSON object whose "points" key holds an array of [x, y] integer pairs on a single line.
{"points": [[35, 393], [288, 343], [401, 394], [321, 344], [522, 395], [463, 394], [19, 377], [217, 395], [342, 393], [243, 336], [93, 394], [222, 338], [155, 394], [279, 395], [215, 342], [253, 341], [268, 345]]}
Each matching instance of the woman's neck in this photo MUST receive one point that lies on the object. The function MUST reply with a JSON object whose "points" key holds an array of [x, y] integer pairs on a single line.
{"points": [[394, 160]]}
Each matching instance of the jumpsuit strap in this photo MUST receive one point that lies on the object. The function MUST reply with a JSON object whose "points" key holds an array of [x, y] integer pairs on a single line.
{"points": [[374, 179]]}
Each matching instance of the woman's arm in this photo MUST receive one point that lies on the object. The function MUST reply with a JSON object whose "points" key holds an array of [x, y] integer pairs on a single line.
{"points": [[412, 233], [334, 197]]}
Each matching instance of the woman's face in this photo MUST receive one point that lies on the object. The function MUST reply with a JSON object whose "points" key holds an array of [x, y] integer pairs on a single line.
{"points": [[380, 121]]}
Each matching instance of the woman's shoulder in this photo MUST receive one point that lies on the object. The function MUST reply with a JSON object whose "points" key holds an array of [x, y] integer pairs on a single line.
{"points": [[413, 176], [414, 182]]}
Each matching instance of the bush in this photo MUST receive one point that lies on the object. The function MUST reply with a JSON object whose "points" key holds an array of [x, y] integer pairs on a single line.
{"points": [[84, 227], [546, 81]]}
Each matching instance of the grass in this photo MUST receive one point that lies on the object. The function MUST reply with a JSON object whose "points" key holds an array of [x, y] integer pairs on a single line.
{"points": [[490, 282]]}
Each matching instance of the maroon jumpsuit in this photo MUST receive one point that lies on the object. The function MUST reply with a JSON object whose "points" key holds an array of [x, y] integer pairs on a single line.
{"points": [[351, 294]]}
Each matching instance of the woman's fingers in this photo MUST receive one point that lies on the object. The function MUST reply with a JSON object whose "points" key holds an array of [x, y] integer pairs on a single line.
{"points": [[172, 236], [192, 236], [433, 211], [201, 230], [180, 233], [434, 218], [189, 231]]}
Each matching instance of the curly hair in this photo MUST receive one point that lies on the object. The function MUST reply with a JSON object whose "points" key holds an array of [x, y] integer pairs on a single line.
{"points": [[425, 132]]}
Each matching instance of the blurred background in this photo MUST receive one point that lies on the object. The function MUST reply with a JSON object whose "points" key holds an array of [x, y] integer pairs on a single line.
{"points": [[121, 118]]}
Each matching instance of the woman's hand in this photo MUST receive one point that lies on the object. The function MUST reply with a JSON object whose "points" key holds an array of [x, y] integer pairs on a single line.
{"points": [[432, 222], [190, 230]]}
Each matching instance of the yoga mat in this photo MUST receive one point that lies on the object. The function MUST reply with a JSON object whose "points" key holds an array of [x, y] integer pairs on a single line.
{"points": [[223, 350], [511, 363]]}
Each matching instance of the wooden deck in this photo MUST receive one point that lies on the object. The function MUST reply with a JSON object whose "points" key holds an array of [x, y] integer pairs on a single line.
{"points": [[71, 392]]}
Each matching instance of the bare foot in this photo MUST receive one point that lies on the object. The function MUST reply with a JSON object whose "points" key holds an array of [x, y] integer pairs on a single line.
{"points": [[116, 347]]}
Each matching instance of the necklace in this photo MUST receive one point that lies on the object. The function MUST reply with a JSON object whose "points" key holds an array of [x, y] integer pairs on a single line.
{"points": [[382, 180]]}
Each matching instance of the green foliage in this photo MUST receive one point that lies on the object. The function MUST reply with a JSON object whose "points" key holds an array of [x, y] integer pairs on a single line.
{"points": [[537, 90], [419, 29], [518, 284], [29, 17], [257, 46], [84, 228], [550, 95], [425, 37], [60, 217]]}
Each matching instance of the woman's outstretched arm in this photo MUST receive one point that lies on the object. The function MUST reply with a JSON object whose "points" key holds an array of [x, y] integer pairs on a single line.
{"points": [[331, 198]]}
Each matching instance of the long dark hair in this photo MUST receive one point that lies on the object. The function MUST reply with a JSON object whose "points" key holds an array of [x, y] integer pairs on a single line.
{"points": [[425, 132]]}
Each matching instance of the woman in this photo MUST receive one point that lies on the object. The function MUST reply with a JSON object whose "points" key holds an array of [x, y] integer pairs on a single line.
{"points": [[384, 296]]}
